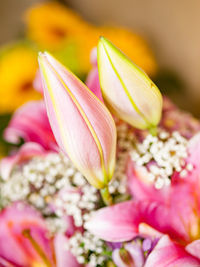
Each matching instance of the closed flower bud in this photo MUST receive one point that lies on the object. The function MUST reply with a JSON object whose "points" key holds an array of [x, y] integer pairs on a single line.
{"points": [[83, 127], [127, 90]]}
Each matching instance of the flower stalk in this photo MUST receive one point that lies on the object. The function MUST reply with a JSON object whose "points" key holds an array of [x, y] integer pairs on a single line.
{"points": [[106, 196], [153, 130]]}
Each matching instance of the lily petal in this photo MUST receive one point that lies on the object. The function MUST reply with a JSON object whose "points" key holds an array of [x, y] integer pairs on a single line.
{"points": [[31, 123], [37, 83], [15, 221], [128, 91], [92, 80], [194, 248], [169, 254], [193, 160], [116, 223], [93, 83], [64, 257], [82, 126], [122, 222]]}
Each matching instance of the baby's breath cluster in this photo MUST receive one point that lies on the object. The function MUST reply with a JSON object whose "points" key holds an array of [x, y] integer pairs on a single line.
{"points": [[38, 180], [87, 248], [56, 225], [77, 203], [162, 155]]}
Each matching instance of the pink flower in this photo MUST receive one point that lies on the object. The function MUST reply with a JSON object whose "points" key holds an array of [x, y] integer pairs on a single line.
{"points": [[31, 123], [25, 234], [82, 125], [174, 211], [24, 240]]}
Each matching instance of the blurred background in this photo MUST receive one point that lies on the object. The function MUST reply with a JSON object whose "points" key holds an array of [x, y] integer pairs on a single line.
{"points": [[171, 27], [160, 36]]}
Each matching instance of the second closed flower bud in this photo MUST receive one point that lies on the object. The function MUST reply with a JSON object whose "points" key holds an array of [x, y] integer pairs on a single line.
{"points": [[127, 90]]}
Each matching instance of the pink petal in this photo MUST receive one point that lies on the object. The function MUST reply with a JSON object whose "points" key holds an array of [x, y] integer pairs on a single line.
{"points": [[30, 122], [121, 222], [115, 223], [184, 211], [173, 210], [194, 153], [177, 217], [17, 248], [194, 248], [93, 84], [64, 257], [92, 80], [83, 127], [26, 152], [169, 254], [37, 83], [93, 57]]}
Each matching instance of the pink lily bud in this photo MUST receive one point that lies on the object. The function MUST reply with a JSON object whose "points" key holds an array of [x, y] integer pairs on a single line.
{"points": [[82, 125], [127, 90]]}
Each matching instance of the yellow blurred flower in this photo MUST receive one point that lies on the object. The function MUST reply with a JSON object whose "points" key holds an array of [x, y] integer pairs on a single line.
{"points": [[51, 24], [55, 27], [17, 71], [134, 46]]}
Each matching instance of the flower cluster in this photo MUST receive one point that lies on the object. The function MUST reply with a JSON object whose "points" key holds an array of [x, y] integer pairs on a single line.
{"points": [[88, 188]]}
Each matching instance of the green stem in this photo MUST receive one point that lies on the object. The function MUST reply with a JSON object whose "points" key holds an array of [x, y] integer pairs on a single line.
{"points": [[107, 198], [153, 130]]}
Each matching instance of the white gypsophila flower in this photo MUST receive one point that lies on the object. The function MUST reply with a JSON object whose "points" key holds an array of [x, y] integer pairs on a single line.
{"points": [[87, 248], [162, 155]]}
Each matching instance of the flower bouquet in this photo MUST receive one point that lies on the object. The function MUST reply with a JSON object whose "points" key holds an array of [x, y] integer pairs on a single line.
{"points": [[88, 188]]}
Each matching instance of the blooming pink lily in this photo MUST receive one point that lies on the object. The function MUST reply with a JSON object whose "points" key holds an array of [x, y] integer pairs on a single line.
{"points": [[24, 240], [31, 123], [174, 211], [82, 125]]}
